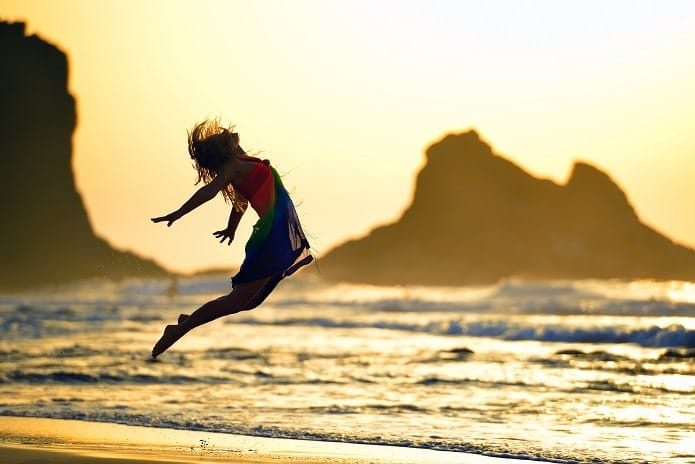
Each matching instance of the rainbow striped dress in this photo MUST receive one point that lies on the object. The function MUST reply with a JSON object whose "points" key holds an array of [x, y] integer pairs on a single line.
{"points": [[277, 246]]}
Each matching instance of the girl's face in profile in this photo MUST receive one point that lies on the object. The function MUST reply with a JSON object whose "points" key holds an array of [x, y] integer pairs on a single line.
{"points": [[232, 142], [226, 142]]}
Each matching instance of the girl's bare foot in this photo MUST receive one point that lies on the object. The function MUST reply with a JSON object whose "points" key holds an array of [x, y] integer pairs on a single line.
{"points": [[169, 337]]}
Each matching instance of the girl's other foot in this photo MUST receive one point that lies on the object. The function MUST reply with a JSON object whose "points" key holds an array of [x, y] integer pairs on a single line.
{"points": [[169, 337]]}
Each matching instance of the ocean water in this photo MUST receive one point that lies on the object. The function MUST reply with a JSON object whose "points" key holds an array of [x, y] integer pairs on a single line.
{"points": [[568, 372]]}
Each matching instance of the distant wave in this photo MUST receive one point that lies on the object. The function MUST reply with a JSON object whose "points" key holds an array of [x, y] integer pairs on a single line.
{"points": [[636, 298], [672, 336], [545, 304], [40, 320]]}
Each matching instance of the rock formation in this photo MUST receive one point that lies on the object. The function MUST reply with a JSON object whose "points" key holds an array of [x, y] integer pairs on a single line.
{"points": [[476, 218], [45, 235]]}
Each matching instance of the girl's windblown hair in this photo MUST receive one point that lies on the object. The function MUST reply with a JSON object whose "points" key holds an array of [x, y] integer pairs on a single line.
{"points": [[211, 145]]}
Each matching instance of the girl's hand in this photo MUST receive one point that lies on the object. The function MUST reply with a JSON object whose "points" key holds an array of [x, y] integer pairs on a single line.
{"points": [[226, 234], [169, 218]]}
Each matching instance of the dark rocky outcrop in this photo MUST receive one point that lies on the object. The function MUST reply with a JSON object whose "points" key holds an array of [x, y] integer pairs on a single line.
{"points": [[45, 235], [477, 218]]}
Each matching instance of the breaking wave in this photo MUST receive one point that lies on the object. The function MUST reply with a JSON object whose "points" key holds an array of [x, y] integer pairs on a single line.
{"points": [[674, 335]]}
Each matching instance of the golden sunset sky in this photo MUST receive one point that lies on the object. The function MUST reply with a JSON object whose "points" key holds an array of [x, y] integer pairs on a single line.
{"points": [[344, 96]]}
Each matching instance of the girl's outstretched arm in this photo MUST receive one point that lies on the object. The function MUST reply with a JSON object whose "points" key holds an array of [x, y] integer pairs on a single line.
{"points": [[203, 194], [234, 218]]}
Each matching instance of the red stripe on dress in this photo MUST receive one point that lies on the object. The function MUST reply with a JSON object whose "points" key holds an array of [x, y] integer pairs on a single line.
{"points": [[253, 180], [258, 188]]}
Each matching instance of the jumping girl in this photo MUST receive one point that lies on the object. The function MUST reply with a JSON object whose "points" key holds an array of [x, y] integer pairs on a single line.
{"points": [[277, 246]]}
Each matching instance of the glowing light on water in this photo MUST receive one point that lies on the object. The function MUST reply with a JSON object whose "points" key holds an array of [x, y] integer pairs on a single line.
{"points": [[682, 292]]}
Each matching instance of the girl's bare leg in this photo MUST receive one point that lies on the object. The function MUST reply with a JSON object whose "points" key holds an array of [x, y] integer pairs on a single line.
{"points": [[238, 300]]}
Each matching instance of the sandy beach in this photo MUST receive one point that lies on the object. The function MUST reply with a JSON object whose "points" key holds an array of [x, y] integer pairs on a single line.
{"points": [[36, 440]]}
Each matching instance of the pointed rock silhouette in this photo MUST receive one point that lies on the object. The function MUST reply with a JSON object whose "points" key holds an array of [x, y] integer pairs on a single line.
{"points": [[477, 217], [45, 236]]}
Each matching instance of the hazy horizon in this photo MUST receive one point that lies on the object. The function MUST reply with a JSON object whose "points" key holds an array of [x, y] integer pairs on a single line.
{"points": [[344, 98]]}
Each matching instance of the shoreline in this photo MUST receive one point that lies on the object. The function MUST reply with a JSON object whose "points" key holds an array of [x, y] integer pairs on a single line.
{"points": [[30, 439]]}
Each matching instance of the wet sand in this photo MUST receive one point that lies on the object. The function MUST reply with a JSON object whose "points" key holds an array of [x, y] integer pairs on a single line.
{"points": [[34, 440]]}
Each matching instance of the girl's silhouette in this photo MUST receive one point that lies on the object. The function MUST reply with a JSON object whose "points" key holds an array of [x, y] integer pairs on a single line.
{"points": [[277, 246]]}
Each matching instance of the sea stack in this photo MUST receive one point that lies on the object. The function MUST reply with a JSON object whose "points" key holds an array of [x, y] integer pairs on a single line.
{"points": [[45, 236], [477, 217]]}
